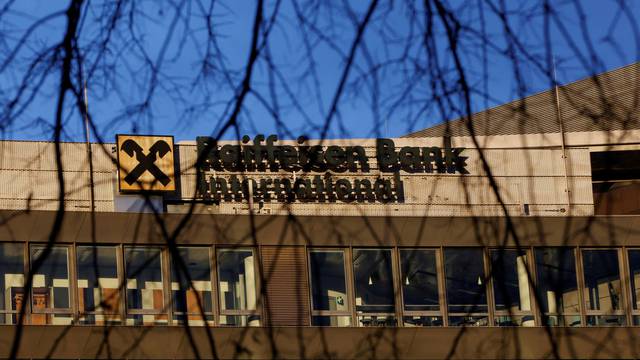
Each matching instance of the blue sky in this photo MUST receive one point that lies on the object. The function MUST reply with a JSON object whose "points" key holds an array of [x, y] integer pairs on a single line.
{"points": [[191, 108]]}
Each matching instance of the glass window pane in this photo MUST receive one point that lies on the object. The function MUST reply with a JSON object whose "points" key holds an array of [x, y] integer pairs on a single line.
{"points": [[561, 320], [11, 280], [51, 279], [98, 285], [328, 286], [557, 285], [510, 280], [419, 280], [465, 281], [413, 321], [472, 320], [336, 321], [240, 320], [377, 321], [188, 295], [606, 320], [236, 280], [373, 280], [50, 284], [602, 280], [145, 291], [634, 273]]}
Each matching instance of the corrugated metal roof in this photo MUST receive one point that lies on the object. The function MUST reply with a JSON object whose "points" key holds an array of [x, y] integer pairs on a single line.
{"points": [[608, 101]]}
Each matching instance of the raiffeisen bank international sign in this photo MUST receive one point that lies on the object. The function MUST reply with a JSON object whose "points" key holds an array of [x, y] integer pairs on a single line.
{"points": [[320, 173]]}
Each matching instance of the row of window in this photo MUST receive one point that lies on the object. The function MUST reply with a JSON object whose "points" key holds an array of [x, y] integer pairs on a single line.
{"points": [[556, 286], [476, 287], [154, 296]]}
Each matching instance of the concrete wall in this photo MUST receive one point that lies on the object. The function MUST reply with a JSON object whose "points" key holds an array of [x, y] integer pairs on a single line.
{"points": [[527, 170]]}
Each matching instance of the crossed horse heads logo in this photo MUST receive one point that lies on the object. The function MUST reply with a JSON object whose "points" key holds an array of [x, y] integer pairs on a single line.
{"points": [[146, 162]]}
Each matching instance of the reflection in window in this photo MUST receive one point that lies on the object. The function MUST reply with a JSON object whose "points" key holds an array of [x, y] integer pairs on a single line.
{"points": [[465, 286], [511, 288], [237, 286], [634, 275], [420, 287], [374, 286], [192, 299], [557, 286], [50, 284], [602, 293], [145, 295], [98, 284], [328, 287], [420, 280], [11, 281]]}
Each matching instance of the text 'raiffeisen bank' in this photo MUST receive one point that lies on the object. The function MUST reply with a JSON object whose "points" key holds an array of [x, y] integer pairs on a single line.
{"points": [[315, 169]]}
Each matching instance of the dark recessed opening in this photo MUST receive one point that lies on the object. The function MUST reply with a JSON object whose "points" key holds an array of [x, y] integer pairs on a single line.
{"points": [[616, 182]]}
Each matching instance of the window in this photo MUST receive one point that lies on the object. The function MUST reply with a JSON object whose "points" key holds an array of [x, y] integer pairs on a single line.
{"points": [[329, 298], [420, 288], [98, 285], [557, 286], [237, 287], [634, 277], [511, 293], [616, 183], [191, 286], [145, 288], [602, 288], [465, 287], [11, 282], [373, 278], [50, 297]]}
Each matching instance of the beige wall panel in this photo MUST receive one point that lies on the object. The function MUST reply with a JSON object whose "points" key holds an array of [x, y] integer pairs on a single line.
{"points": [[581, 190], [103, 158], [19, 155], [396, 210], [188, 156], [477, 190], [579, 162], [45, 185], [52, 205], [103, 185], [187, 186], [15, 184], [529, 162], [74, 156]]}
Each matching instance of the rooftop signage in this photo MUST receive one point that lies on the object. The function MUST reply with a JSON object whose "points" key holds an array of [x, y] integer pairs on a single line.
{"points": [[314, 173], [145, 163]]}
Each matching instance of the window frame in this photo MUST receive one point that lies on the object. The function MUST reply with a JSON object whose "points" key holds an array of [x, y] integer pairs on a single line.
{"points": [[441, 313], [581, 284], [71, 274], [26, 301], [257, 276], [488, 289], [539, 313], [166, 308], [349, 292], [531, 275], [397, 311], [632, 313], [214, 293], [121, 312]]}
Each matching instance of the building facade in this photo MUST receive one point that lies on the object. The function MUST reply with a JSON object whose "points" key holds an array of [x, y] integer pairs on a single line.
{"points": [[517, 236]]}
